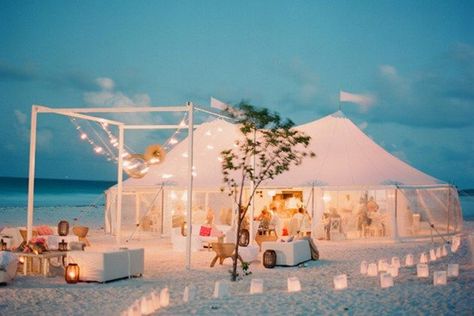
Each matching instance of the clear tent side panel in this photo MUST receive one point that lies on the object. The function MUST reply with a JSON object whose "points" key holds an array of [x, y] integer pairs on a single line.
{"points": [[426, 211]]}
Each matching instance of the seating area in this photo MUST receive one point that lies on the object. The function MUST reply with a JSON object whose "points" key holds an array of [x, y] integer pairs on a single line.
{"points": [[289, 253], [201, 238]]}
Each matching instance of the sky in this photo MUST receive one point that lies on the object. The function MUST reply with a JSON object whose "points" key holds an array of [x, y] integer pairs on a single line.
{"points": [[414, 61]]}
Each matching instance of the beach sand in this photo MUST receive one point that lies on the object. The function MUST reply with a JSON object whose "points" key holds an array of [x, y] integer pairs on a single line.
{"points": [[35, 295]]}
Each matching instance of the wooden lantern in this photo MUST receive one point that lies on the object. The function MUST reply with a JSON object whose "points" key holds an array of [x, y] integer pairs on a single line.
{"points": [[244, 238], [3, 245], [269, 259], [72, 273], [63, 228], [62, 245]]}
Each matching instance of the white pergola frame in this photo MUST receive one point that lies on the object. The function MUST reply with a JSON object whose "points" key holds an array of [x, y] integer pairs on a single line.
{"points": [[122, 127]]}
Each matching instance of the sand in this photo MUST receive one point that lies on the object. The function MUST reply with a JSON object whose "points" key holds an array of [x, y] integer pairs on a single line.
{"points": [[36, 295]]}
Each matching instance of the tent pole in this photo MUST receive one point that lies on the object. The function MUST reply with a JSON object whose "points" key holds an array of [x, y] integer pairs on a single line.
{"points": [[252, 206], [31, 175], [119, 184], [137, 209], [312, 211], [162, 209], [190, 184], [449, 206], [395, 216]]}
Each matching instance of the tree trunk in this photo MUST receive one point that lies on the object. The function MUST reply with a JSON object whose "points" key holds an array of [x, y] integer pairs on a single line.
{"points": [[236, 252]]}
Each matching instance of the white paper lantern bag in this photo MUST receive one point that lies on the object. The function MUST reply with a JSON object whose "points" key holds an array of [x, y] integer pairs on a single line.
{"points": [[221, 289], [433, 255], [382, 265], [340, 282], [453, 270], [189, 293], [422, 270], [363, 267], [438, 252], [409, 260], [439, 278], [256, 286], [444, 251], [396, 262], [386, 280], [156, 300], [423, 258], [372, 269], [294, 284], [164, 297], [393, 270]]}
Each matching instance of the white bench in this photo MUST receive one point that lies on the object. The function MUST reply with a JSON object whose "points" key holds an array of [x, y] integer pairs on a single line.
{"points": [[289, 253], [108, 265]]}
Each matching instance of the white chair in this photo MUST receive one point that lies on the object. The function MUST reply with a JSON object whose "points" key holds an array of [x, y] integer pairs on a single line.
{"points": [[8, 266], [289, 253]]}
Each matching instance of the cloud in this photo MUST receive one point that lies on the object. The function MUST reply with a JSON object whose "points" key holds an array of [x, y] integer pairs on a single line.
{"points": [[44, 136], [10, 72], [20, 117], [438, 95], [105, 83]]}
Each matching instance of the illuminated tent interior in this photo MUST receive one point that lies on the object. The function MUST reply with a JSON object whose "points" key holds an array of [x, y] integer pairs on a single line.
{"points": [[353, 188]]}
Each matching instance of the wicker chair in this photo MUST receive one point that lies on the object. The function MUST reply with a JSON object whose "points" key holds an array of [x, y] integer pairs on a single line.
{"points": [[223, 251], [81, 232]]}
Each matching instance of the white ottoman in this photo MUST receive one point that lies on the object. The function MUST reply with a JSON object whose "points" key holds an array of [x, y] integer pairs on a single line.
{"points": [[249, 253], [289, 253], [108, 265], [8, 266]]}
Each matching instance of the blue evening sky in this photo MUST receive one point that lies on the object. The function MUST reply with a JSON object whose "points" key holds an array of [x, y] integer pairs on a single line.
{"points": [[414, 59]]}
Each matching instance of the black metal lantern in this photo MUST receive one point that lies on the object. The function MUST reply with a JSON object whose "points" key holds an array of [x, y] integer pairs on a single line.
{"points": [[3, 245], [62, 245], [72, 273], [269, 259], [244, 238], [63, 228]]}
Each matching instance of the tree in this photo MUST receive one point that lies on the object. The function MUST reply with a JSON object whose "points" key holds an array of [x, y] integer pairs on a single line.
{"points": [[269, 146]]}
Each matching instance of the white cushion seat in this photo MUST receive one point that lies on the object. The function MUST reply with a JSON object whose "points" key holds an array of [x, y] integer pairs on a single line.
{"points": [[289, 253], [8, 266], [108, 265]]}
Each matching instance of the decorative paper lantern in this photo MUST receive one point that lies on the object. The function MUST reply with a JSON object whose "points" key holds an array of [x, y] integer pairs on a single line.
{"points": [[409, 260], [63, 228], [396, 262], [156, 300], [62, 245], [135, 309], [393, 270], [372, 269], [444, 251], [340, 282], [432, 255], [453, 270], [189, 293], [438, 252], [244, 238], [72, 273], [294, 284], [145, 307], [455, 243], [363, 267], [386, 280], [135, 166], [154, 154], [423, 258], [422, 270], [439, 278], [221, 289], [3, 245], [382, 265], [269, 259], [256, 286], [164, 297]]}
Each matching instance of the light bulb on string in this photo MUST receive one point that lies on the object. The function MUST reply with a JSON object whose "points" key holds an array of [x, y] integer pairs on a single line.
{"points": [[83, 136]]}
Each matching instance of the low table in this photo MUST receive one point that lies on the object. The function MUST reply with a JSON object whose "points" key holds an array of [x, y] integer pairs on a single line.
{"points": [[44, 260]]}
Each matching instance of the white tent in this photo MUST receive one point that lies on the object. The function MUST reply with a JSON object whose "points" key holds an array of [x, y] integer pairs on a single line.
{"points": [[349, 170]]}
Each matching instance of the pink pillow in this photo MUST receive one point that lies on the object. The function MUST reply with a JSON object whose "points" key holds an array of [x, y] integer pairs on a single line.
{"points": [[205, 231], [44, 230]]}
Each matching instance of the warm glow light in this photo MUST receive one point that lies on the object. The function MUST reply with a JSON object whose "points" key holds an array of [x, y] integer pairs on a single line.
{"points": [[219, 129], [98, 149], [220, 159], [173, 141], [208, 133], [144, 170], [83, 136], [173, 195], [326, 198], [271, 193], [194, 173], [210, 147], [184, 155], [182, 124], [166, 176]]}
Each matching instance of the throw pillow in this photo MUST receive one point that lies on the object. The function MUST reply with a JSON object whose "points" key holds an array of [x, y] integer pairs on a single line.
{"points": [[44, 230], [205, 231]]}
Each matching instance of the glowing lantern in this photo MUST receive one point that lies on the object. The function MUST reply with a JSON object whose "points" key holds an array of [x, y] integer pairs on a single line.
{"points": [[393, 270], [189, 293], [438, 252], [221, 289], [432, 255], [382, 265], [294, 284], [363, 267], [164, 297], [439, 278], [396, 262], [453, 270], [409, 260], [62, 245], [256, 286], [423, 258], [72, 273], [372, 269], [386, 280], [63, 228], [444, 251], [340, 282], [422, 270]]}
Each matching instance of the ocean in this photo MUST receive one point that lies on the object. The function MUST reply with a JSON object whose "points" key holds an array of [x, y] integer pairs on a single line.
{"points": [[52, 192]]}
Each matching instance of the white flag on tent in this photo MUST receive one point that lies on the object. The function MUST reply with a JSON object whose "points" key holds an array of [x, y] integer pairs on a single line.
{"points": [[219, 104], [364, 100]]}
